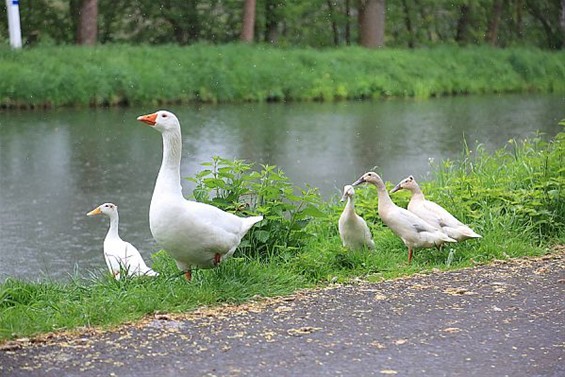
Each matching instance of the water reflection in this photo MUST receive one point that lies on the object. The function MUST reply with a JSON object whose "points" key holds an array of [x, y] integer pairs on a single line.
{"points": [[57, 165]]}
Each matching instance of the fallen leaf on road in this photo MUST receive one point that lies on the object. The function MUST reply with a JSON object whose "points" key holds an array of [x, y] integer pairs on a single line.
{"points": [[388, 371], [420, 287], [10, 346], [269, 335], [541, 270], [458, 291], [162, 317], [452, 330], [303, 330], [378, 345], [282, 309]]}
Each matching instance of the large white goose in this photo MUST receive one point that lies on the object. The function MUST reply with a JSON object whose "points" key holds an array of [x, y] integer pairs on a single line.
{"points": [[195, 234], [120, 256], [433, 213], [353, 229], [413, 231]]}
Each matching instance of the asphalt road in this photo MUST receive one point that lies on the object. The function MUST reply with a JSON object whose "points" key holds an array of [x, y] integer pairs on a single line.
{"points": [[505, 319]]}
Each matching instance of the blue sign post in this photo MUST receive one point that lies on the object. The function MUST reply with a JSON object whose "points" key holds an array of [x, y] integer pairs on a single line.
{"points": [[13, 8]]}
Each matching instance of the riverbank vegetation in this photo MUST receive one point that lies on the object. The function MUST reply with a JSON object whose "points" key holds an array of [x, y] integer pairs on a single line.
{"points": [[112, 75], [513, 197]]}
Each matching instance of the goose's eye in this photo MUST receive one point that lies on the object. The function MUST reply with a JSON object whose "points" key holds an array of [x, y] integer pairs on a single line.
{"points": [[165, 115]]}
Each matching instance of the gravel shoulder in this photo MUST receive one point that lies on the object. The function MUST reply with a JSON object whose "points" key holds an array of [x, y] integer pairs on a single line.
{"points": [[502, 319]]}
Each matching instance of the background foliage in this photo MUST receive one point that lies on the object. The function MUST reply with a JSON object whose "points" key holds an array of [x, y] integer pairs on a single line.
{"points": [[315, 23]]}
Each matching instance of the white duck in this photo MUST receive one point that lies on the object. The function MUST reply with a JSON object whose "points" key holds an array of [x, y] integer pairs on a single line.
{"points": [[195, 234], [433, 213], [120, 256], [353, 230], [413, 231]]}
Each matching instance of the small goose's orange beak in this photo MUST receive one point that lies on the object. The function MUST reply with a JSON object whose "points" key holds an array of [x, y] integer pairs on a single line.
{"points": [[150, 119], [95, 211]]}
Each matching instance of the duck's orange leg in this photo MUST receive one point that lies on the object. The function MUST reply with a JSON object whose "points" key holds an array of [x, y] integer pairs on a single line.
{"points": [[188, 275]]}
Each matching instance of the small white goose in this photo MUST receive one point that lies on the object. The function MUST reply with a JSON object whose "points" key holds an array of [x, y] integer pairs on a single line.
{"points": [[414, 232], [120, 256], [195, 234], [433, 213], [353, 229]]}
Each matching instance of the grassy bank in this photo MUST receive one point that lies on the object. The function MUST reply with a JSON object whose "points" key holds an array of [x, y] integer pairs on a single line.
{"points": [[513, 197], [120, 75]]}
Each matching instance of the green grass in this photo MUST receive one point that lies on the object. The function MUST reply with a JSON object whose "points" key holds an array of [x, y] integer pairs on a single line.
{"points": [[513, 197], [122, 74]]}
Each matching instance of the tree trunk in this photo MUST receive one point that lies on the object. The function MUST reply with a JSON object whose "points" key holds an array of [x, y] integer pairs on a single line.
{"points": [[335, 31], [372, 23], [425, 20], [553, 37], [271, 21], [408, 22], [518, 24], [463, 25], [562, 18], [493, 22], [193, 21], [348, 22], [248, 27], [87, 24]]}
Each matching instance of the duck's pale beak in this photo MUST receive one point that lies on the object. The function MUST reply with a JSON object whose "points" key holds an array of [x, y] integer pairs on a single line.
{"points": [[95, 211], [358, 182], [150, 119], [396, 188]]}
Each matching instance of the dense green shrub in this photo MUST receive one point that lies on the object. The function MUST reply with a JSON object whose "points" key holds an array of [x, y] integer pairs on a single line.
{"points": [[236, 187]]}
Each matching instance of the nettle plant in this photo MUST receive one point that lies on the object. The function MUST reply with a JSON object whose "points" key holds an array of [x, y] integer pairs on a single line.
{"points": [[235, 186]]}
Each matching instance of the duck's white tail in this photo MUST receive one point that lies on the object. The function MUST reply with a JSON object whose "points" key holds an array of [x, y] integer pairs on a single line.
{"points": [[447, 238], [248, 222], [470, 233], [462, 233]]}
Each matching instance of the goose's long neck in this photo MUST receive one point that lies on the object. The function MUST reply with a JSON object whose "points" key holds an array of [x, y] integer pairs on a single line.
{"points": [[417, 194], [384, 199], [113, 230], [168, 180], [350, 205]]}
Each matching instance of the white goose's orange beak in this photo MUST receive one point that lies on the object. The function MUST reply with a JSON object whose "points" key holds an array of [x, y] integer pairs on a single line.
{"points": [[95, 211], [150, 119]]}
